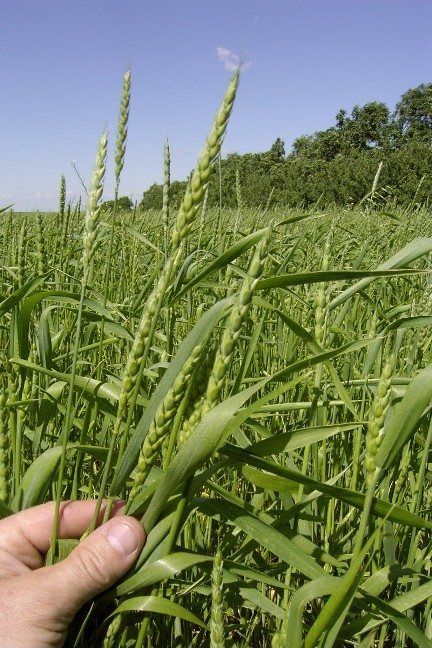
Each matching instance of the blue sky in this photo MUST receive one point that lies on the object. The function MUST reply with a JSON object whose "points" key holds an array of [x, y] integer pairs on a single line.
{"points": [[62, 61]]}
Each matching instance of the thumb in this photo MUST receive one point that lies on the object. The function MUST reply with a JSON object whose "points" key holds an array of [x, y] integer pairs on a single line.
{"points": [[95, 564]]}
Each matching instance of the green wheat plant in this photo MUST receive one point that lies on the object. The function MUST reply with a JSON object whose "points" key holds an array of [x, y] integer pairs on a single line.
{"points": [[256, 384]]}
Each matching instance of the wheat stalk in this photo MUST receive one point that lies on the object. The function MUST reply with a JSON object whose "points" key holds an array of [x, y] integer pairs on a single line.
{"points": [[230, 335], [188, 209], [92, 217], [122, 129], [217, 639]]}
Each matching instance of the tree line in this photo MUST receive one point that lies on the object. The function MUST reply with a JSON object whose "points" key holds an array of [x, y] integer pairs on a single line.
{"points": [[332, 166]]}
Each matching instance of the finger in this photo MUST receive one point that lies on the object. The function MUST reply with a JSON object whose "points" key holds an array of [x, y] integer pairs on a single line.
{"points": [[27, 533], [93, 566]]}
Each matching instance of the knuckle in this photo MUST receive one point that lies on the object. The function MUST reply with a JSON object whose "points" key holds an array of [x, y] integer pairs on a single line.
{"points": [[92, 569]]}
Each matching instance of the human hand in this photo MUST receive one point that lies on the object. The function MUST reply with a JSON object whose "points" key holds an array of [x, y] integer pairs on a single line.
{"points": [[38, 603]]}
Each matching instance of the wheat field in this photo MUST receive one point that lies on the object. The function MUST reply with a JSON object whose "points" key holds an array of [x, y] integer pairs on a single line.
{"points": [[256, 384]]}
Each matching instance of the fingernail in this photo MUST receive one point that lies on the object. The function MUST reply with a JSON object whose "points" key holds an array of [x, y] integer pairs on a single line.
{"points": [[123, 538]]}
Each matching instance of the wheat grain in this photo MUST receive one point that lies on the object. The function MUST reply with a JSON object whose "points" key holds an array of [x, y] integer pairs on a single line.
{"points": [[217, 639], [91, 221], [122, 128]]}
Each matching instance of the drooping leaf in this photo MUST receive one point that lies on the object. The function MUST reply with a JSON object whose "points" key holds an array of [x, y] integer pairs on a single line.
{"points": [[156, 605]]}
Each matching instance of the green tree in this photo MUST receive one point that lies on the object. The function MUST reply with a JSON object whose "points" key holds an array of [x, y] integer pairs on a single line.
{"points": [[152, 197], [124, 203], [413, 113], [368, 125], [328, 144], [303, 146], [277, 151], [332, 166], [341, 118]]}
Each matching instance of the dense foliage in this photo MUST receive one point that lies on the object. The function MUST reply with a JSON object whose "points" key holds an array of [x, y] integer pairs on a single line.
{"points": [[284, 512], [334, 166], [123, 202]]}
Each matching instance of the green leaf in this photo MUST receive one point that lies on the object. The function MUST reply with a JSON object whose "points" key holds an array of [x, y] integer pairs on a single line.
{"points": [[259, 600], [312, 361], [156, 605], [400, 620], [379, 508], [41, 474], [288, 441], [160, 570], [222, 261], [281, 523], [266, 535], [141, 237], [320, 276], [406, 416], [14, 299], [407, 254], [299, 600], [334, 611], [197, 449], [38, 478], [409, 322], [393, 610], [27, 306], [176, 563], [267, 481], [200, 332], [316, 348], [90, 387]]}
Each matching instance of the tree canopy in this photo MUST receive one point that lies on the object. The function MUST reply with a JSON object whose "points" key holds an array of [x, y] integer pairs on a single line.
{"points": [[335, 165], [123, 202]]}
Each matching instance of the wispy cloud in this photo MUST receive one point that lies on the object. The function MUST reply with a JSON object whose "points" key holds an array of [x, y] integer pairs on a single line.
{"points": [[231, 60], [41, 195]]}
